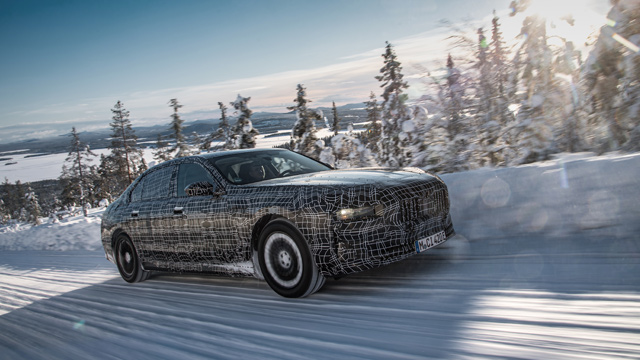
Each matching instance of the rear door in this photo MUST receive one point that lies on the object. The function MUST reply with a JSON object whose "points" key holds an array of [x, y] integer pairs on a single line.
{"points": [[152, 208], [203, 220]]}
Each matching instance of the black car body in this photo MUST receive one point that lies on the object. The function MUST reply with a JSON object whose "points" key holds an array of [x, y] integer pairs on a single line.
{"points": [[295, 224]]}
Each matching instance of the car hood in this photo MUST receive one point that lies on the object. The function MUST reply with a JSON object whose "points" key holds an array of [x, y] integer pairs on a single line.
{"points": [[352, 177]]}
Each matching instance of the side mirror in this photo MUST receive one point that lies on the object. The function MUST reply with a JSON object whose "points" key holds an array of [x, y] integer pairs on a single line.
{"points": [[201, 188]]}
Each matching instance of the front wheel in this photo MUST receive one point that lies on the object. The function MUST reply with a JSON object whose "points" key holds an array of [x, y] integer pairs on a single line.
{"points": [[128, 261], [286, 262]]}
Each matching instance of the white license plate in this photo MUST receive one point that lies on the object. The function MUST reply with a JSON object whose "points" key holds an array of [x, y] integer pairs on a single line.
{"points": [[430, 241]]}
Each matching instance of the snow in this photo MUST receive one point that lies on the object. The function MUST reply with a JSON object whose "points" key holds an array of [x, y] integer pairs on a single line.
{"points": [[72, 233], [30, 168], [545, 266]]}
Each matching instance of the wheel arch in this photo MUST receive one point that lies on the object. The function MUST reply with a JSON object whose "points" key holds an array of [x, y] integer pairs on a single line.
{"points": [[115, 235], [260, 225]]}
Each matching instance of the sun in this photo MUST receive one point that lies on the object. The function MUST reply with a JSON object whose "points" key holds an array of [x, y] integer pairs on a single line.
{"points": [[572, 20]]}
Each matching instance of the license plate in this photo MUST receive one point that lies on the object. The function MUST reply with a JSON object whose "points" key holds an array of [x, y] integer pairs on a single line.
{"points": [[430, 241]]}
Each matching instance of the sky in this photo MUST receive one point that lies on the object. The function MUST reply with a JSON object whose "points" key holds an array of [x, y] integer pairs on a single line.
{"points": [[66, 63]]}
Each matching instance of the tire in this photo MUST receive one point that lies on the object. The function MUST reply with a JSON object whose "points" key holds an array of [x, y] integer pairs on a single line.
{"points": [[286, 262], [128, 262]]}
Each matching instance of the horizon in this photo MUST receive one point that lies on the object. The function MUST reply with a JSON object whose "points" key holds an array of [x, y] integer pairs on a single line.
{"points": [[54, 85]]}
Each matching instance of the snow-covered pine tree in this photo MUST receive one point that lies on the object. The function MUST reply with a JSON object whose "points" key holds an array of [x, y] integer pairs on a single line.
{"points": [[194, 142], [500, 67], [303, 134], [225, 129], [326, 155], [125, 152], [393, 141], [205, 144], [78, 178], [20, 201], [32, 209], [484, 91], [350, 152], [491, 112], [7, 196], [4, 213], [181, 147], [108, 186], [374, 127], [630, 106], [335, 123], [244, 133], [611, 78], [12, 200], [459, 116], [541, 105], [448, 129], [162, 152], [570, 134], [223, 132]]}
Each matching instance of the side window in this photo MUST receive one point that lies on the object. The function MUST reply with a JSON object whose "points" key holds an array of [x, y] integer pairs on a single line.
{"points": [[190, 173], [136, 194], [156, 184]]}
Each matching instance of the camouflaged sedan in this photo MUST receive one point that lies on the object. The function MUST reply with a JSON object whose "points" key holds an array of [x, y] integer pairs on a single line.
{"points": [[273, 214]]}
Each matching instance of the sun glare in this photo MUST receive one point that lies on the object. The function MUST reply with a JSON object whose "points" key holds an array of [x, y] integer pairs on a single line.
{"points": [[569, 19]]}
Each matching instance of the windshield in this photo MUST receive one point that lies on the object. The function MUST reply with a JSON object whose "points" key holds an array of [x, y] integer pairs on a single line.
{"points": [[251, 167]]}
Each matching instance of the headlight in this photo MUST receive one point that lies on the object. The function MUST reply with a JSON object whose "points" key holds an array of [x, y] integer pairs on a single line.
{"points": [[361, 212]]}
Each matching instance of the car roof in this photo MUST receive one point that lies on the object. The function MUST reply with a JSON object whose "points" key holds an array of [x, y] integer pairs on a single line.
{"points": [[241, 151]]}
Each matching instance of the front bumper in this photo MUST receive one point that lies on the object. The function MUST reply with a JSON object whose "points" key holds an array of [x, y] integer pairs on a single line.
{"points": [[364, 245]]}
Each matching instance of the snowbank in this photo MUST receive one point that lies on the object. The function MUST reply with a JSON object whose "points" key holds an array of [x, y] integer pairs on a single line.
{"points": [[73, 233], [571, 194]]}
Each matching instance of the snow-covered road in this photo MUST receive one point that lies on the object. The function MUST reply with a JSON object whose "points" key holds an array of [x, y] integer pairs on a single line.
{"points": [[445, 304], [545, 266]]}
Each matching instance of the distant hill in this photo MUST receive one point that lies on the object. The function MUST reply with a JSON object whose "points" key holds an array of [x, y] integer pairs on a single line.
{"points": [[265, 122]]}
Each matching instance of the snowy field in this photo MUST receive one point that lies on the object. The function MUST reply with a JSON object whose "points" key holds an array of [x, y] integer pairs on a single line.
{"points": [[545, 266], [26, 167]]}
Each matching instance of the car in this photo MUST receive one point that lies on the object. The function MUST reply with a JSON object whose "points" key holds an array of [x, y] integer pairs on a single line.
{"points": [[273, 214]]}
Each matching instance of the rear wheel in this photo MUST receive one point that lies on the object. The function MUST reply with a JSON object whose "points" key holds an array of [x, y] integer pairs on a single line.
{"points": [[286, 262], [127, 260]]}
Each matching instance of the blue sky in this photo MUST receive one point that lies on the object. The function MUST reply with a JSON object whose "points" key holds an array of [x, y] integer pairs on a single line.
{"points": [[68, 62]]}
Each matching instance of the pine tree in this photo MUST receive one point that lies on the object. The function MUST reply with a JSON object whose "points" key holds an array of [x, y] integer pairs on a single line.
{"points": [[541, 118], [374, 128], [303, 134], [491, 113], [4, 213], [348, 151], [225, 129], [335, 124], [125, 152], [11, 201], [176, 127], [611, 79], [222, 132], [195, 143], [108, 186], [393, 142], [19, 203], [244, 133], [33, 209], [498, 61], [162, 152], [78, 178], [449, 130]]}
